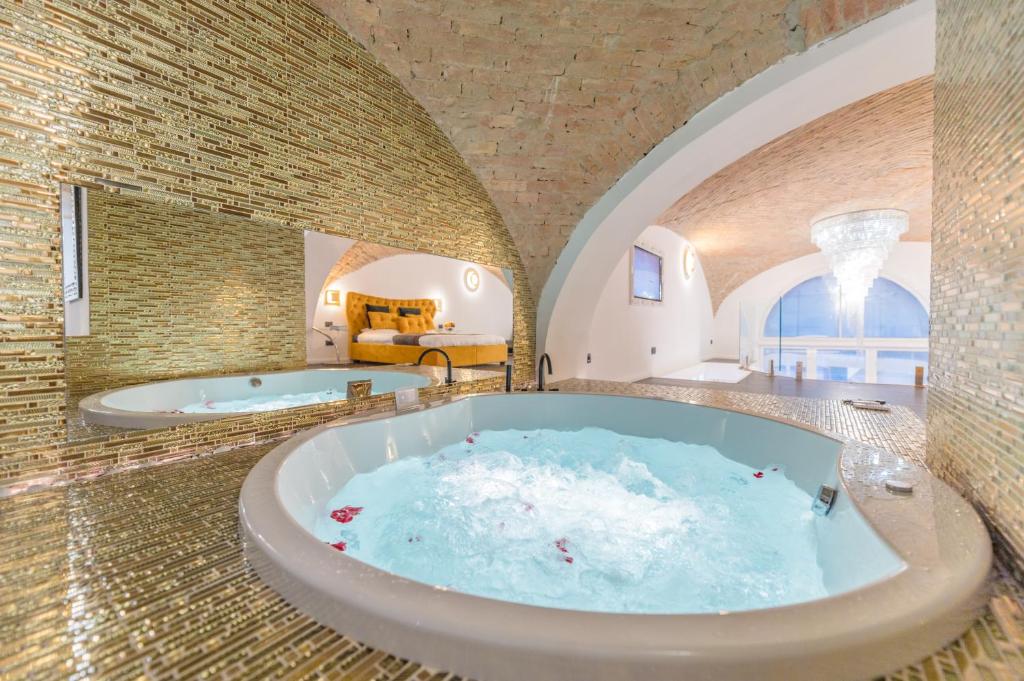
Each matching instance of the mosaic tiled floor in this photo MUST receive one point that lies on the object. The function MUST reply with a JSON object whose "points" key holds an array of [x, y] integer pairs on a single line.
{"points": [[757, 382], [140, 574]]}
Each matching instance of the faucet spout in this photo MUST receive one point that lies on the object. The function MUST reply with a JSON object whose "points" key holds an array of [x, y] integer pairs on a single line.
{"points": [[334, 344], [540, 371], [448, 360]]}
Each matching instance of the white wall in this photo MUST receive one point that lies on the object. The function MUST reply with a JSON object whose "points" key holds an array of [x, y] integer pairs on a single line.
{"points": [[417, 275], [621, 335], [322, 251], [909, 265]]}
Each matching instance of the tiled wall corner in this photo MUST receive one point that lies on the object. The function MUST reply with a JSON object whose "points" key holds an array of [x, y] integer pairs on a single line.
{"points": [[976, 394], [34, 78]]}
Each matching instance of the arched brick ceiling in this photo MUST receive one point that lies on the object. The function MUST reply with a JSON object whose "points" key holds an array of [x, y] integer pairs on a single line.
{"points": [[756, 213], [550, 102]]}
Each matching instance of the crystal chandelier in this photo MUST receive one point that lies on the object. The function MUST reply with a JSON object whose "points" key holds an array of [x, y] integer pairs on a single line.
{"points": [[857, 245]]}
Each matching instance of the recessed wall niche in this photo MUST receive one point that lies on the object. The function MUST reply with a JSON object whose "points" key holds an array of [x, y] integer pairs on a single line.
{"points": [[177, 292]]}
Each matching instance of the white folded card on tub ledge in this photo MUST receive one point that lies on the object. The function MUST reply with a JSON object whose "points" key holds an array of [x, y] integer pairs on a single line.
{"points": [[407, 398]]}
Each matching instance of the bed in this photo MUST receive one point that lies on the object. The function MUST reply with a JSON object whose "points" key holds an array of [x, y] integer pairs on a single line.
{"points": [[390, 346]]}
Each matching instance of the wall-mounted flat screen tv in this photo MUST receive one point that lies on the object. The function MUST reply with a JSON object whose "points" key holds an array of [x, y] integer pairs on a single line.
{"points": [[646, 273]]}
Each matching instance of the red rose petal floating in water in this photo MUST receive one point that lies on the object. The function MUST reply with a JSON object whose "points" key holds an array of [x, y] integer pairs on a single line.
{"points": [[560, 544], [469, 439], [340, 546], [346, 514], [759, 475]]}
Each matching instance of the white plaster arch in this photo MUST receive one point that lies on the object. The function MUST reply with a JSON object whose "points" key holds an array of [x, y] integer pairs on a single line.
{"points": [[892, 49]]}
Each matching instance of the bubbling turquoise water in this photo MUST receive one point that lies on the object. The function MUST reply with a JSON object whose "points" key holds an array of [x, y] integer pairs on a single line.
{"points": [[262, 402], [586, 520]]}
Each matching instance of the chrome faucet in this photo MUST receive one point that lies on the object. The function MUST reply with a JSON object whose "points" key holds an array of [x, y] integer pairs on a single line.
{"points": [[337, 352], [540, 371], [448, 380]]}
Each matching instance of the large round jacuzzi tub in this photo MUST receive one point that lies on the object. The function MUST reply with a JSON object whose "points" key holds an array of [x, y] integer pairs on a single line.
{"points": [[187, 400], [902, 574]]}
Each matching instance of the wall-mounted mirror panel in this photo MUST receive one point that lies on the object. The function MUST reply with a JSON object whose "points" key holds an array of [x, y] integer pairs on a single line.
{"points": [[175, 315], [374, 304]]}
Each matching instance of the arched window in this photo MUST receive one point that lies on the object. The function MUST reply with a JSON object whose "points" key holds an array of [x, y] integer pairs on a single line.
{"points": [[809, 310], [807, 325], [804, 310], [892, 311]]}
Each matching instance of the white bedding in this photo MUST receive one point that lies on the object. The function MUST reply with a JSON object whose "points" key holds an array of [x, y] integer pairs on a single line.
{"points": [[376, 336], [434, 339], [442, 340]]}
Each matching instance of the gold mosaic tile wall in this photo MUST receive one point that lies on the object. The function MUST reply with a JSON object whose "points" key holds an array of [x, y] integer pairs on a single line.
{"points": [[177, 292], [976, 394], [253, 108], [31, 315]]}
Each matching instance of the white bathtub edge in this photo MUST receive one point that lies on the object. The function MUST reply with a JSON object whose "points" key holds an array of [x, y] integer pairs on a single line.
{"points": [[498, 641], [96, 412]]}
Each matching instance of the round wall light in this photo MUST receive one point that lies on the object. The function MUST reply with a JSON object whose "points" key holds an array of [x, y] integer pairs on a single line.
{"points": [[471, 278], [689, 261]]}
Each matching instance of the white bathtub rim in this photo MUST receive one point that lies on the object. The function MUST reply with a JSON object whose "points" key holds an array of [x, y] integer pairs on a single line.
{"points": [[420, 621], [93, 409]]}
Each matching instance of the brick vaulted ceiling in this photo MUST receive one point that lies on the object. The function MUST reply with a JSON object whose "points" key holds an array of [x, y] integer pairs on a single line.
{"points": [[550, 102], [756, 213]]}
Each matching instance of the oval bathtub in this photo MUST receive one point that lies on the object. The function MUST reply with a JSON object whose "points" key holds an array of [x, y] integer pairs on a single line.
{"points": [[904, 574], [159, 404]]}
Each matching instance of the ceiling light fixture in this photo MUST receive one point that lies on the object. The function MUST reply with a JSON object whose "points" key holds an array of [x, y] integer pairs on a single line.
{"points": [[857, 245]]}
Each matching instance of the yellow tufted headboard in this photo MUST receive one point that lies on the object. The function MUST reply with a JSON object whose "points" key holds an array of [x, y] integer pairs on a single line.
{"points": [[355, 308]]}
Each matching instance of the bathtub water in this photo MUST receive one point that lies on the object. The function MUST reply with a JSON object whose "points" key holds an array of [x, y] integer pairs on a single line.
{"points": [[691, 557], [589, 520], [265, 402], [164, 403]]}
